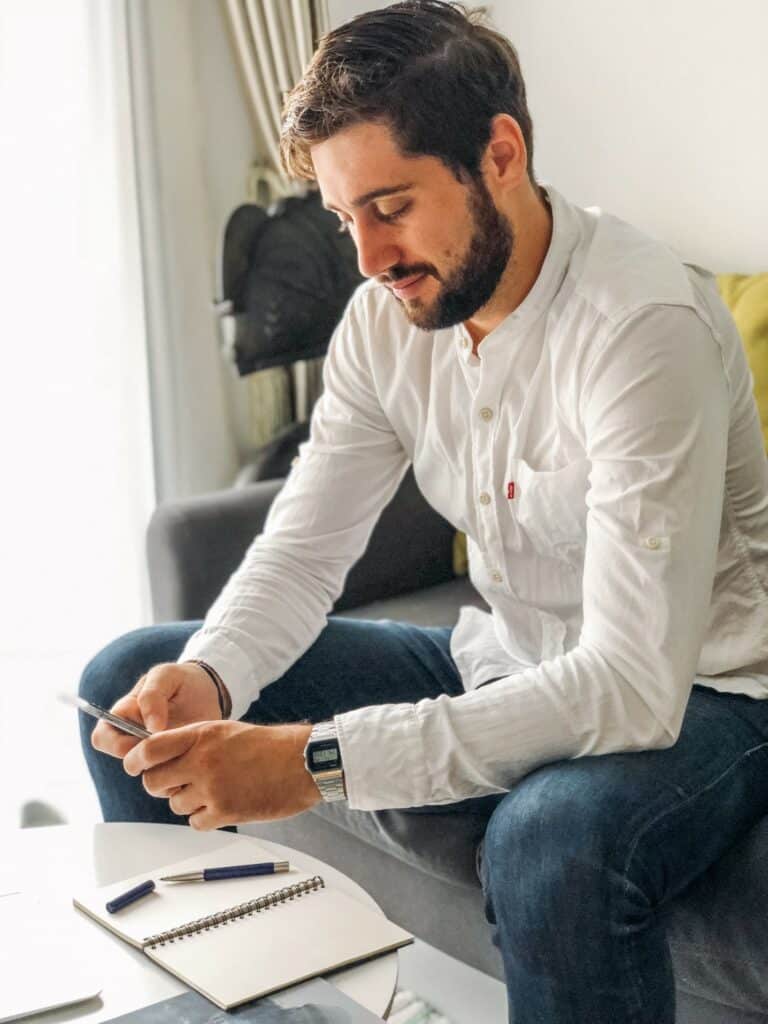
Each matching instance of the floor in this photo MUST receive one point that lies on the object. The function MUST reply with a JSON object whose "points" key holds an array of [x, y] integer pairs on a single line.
{"points": [[39, 740], [459, 992]]}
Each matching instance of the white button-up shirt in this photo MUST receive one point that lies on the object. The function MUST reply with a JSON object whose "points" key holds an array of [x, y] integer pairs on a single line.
{"points": [[603, 454]]}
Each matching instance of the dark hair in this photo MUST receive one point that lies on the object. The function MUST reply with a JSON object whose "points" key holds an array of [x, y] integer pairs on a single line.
{"points": [[434, 72]]}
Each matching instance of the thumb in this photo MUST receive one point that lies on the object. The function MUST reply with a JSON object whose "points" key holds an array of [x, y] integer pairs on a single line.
{"points": [[160, 686]]}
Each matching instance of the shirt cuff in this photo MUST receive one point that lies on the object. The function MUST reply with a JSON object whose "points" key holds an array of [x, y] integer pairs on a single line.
{"points": [[381, 752]]}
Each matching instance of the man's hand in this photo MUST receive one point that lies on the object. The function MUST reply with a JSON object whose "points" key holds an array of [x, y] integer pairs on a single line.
{"points": [[225, 773], [169, 695]]}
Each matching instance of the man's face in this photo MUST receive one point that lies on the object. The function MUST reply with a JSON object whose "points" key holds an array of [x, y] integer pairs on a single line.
{"points": [[441, 247]]}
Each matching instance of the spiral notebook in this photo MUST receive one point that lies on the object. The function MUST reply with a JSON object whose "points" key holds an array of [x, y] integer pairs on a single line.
{"points": [[241, 938]]}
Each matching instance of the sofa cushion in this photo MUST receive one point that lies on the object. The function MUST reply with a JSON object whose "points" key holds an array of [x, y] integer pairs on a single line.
{"points": [[441, 841], [718, 928], [432, 606]]}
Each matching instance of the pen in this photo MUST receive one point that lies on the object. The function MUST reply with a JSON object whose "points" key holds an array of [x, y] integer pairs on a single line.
{"points": [[235, 871], [131, 896]]}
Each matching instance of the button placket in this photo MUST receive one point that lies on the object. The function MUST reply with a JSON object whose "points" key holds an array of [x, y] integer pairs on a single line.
{"points": [[483, 417], [657, 543]]}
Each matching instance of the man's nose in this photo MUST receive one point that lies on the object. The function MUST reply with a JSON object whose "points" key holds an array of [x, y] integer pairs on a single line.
{"points": [[376, 249]]}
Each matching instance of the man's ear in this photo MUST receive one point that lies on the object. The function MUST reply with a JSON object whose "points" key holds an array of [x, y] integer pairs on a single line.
{"points": [[505, 162]]}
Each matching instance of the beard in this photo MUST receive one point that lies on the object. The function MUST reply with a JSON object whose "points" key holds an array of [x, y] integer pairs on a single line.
{"points": [[470, 285]]}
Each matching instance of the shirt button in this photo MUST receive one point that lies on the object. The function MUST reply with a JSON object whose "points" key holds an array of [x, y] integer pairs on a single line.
{"points": [[486, 414], [485, 498], [463, 342], [653, 543], [497, 577]]}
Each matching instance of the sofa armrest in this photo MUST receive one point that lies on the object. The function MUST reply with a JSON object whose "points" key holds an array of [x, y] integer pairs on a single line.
{"points": [[195, 544]]}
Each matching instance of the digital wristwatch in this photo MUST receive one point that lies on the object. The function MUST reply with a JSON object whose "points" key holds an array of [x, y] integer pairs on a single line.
{"points": [[322, 757]]}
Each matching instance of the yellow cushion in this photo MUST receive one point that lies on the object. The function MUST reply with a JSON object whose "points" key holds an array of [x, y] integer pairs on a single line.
{"points": [[460, 560], [747, 298]]}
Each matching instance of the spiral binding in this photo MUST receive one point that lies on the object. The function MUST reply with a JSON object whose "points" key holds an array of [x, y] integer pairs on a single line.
{"points": [[223, 917]]}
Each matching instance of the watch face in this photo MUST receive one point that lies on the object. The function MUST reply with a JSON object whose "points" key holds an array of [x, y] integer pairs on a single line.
{"points": [[323, 755]]}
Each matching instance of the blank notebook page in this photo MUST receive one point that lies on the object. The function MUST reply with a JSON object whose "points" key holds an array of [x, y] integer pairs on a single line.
{"points": [[254, 955]]}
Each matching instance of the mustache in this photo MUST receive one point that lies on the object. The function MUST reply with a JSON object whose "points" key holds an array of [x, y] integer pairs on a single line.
{"points": [[396, 274]]}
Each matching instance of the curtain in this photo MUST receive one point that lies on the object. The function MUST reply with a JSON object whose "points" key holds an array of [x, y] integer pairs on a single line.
{"points": [[78, 481], [274, 41]]}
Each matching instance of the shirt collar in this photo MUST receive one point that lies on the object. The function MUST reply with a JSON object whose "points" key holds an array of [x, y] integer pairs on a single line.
{"points": [[546, 285]]}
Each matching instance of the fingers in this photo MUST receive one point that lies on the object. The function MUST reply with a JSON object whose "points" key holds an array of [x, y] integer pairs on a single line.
{"points": [[164, 781], [186, 801], [112, 741], [160, 685], [204, 821], [182, 691], [160, 748]]}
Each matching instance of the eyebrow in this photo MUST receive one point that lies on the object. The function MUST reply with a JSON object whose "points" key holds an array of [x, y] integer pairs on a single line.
{"points": [[376, 193]]}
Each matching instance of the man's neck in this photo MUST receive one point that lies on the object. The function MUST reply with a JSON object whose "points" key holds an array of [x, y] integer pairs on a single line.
{"points": [[533, 234]]}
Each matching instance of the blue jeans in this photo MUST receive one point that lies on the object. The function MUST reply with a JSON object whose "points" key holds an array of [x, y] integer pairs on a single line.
{"points": [[579, 859]]}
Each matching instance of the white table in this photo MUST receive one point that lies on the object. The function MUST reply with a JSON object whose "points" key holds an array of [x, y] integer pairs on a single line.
{"points": [[57, 861]]}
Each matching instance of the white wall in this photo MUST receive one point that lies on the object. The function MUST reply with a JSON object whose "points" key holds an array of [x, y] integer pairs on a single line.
{"points": [[227, 128], [655, 111]]}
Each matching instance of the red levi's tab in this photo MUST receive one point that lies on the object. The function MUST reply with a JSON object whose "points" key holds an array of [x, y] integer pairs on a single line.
{"points": [[511, 489]]}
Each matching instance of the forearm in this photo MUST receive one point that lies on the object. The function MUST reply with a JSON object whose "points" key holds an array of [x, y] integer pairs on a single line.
{"points": [[277, 602], [452, 748], [268, 614]]}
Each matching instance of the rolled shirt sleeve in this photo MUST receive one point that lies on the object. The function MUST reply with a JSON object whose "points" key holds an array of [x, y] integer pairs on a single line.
{"points": [[654, 409], [276, 603]]}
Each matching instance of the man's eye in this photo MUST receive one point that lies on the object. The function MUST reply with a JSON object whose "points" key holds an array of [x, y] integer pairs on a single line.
{"points": [[395, 213]]}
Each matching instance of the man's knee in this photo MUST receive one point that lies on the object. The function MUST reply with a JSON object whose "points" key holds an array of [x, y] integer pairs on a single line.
{"points": [[555, 831]]}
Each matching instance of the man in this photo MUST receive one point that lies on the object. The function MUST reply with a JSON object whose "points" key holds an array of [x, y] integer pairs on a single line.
{"points": [[577, 401]]}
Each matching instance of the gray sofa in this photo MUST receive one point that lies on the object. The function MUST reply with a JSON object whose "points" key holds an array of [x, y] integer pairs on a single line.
{"points": [[420, 865]]}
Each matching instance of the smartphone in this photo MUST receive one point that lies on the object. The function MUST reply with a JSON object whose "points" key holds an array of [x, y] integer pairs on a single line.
{"points": [[125, 724]]}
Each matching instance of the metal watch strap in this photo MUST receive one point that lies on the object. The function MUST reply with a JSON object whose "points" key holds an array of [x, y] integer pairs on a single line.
{"points": [[331, 782]]}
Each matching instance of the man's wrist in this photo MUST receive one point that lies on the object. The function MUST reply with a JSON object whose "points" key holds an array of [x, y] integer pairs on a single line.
{"points": [[225, 701]]}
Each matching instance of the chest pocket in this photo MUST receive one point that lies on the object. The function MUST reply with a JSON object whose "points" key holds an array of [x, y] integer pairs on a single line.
{"points": [[551, 508]]}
